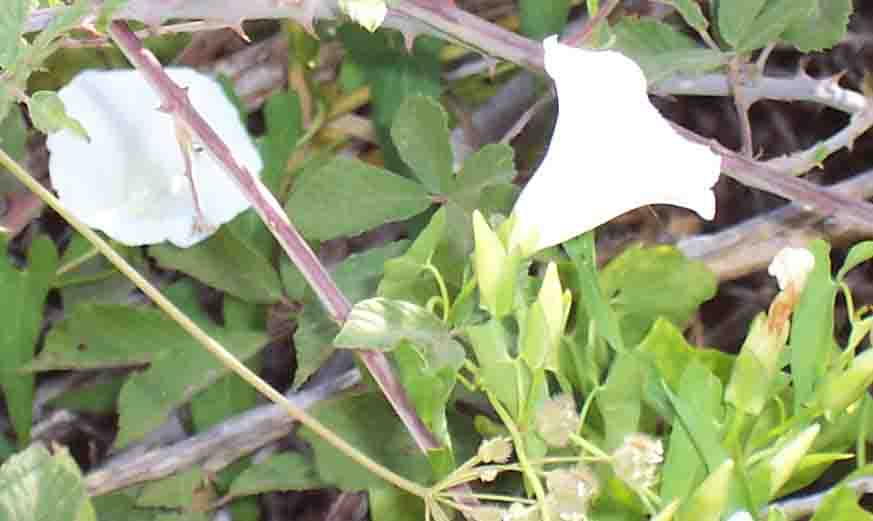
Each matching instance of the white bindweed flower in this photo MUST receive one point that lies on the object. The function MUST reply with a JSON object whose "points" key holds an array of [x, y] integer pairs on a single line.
{"points": [[129, 179], [791, 266], [369, 14], [611, 152]]}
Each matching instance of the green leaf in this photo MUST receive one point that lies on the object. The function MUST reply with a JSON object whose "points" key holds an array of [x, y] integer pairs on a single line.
{"points": [[99, 397], [406, 277], [64, 19], [691, 12], [36, 486], [661, 50], [393, 504], [347, 197], [492, 165], [176, 491], [735, 17], [812, 327], [393, 74], [860, 253], [284, 121], [120, 506], [11, 30], [776, 17], [382, 324], [541, 18], [226, 262], [421, 134], [13, 140], [24, 293], [620, 402], [683, 467], [357, 277], [643, 284], [49, 115], [594, 303], [841, 504], [148, 396], [824, 28], [368, 423], [701, 424], [99, 336], [280, 472]]}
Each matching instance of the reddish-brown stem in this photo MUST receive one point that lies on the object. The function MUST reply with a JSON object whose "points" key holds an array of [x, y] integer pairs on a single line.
{"points": [[588, 29], [175, 100]]}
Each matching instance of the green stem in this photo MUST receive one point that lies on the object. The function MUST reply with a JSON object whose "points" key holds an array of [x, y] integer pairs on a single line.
{"points": [[211, 345]]}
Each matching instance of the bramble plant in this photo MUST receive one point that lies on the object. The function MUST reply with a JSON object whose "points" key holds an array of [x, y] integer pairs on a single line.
{"points": [[503, 371]]}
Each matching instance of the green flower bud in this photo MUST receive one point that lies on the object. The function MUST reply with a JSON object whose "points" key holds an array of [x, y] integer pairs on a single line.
{"points": [[783, 463], [843, 389], [710, 498]]}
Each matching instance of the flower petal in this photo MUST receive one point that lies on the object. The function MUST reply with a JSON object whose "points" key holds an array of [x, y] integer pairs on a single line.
{"points": [[129, 180], [611, 152]]}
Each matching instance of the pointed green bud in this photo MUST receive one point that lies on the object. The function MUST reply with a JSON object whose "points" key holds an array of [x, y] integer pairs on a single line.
{"points": [[709, 499], [495, 269], [756, 366], [784, 462], [843, 389]]}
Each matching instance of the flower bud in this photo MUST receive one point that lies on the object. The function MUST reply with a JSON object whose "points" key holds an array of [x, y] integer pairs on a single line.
{"points": [[709, 499], [791, 267], [783, 463], [495, 450], [840, 390]]}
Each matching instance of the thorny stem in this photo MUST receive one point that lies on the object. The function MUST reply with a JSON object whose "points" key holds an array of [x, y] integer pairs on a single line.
{"points": [[217, 350], [175, 100]]}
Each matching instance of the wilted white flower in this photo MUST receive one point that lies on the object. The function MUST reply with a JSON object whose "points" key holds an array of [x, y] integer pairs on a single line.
{"points": [[636, 461], [791, 267], [368, 13], [557, 420], [129, 179], [611, 152]]}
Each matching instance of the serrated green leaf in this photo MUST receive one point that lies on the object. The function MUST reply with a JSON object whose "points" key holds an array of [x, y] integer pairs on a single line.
{"points": [[226, 262], [368, 423], [11, 29], [490, 166], [643, 284], [812, 327], [35, 486], [421, 134], [49, 115], [347, 197], [691, 12], [661, 50], [382, 324], [823, 29], [148, 397], [280, 472], [21, 316], [773, 20], [541, 18], [735, 17]]}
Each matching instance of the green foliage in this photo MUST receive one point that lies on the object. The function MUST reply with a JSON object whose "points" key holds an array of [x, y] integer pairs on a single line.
{"points": [[36, 485], [421, 134], [20, 319], [281, 472], [541, 18]]}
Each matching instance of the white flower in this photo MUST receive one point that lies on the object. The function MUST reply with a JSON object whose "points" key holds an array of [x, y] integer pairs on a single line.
{"points": [[741, 515], [611, 152], [791, 266], [368, 13], [129, 180]]}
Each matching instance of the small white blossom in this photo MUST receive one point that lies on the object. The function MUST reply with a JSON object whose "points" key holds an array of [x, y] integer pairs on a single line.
{"points": [[611, 152], [636, 461], [791, 267], [369, 14], [129, 180]]}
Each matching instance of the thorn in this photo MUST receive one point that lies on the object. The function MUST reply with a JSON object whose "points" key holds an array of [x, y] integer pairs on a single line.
{"points": [[492, 65], [834, 80], [238, 29], [408, 40], [801, 67]]}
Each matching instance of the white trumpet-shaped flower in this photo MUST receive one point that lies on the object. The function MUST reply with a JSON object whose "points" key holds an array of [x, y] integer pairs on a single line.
{"points": [[611, 152], [129, 180]]}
